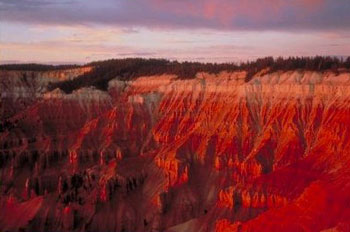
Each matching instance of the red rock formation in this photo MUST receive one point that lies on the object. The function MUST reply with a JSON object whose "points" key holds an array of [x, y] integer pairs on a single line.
{"points": [[161, 154]]}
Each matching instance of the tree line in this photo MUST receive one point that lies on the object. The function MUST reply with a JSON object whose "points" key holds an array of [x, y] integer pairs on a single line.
{"points": [[318, 63], [131, 68], [35, 67]]}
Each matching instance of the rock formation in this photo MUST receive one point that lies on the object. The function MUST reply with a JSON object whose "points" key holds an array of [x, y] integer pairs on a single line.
{"points": [[212, 153]]}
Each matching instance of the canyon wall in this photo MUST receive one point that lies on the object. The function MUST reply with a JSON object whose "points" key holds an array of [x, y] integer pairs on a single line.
{"points": [[212, 153]]}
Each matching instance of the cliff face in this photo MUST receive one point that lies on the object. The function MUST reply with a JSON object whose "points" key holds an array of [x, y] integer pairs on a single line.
{"points": [[20, 89], [212, 153]]}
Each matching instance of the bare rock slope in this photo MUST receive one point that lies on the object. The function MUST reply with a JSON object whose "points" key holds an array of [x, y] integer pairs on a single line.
{"points": [[213, 153]]}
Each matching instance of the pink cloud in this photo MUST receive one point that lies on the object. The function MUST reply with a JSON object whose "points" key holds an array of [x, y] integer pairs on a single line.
{"points": [[191, 14], [227, 11]]}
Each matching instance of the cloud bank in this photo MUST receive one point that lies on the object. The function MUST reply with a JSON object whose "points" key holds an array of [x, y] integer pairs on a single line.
{"points": [[184, 14]]}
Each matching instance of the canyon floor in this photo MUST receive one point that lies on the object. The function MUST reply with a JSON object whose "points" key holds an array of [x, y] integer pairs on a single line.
{"points": [[158, 153]]}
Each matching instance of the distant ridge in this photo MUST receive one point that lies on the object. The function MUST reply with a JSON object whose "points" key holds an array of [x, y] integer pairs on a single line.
{"points": [[131, 68]]}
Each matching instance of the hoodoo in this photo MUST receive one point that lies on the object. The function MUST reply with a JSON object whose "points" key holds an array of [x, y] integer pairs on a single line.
{"points": [[215, 152]]}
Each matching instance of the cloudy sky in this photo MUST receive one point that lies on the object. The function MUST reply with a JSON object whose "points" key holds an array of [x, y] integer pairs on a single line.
{"points": [[66, 31]]}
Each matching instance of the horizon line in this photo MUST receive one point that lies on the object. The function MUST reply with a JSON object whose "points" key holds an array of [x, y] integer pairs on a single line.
{"points": [[194, 60]]}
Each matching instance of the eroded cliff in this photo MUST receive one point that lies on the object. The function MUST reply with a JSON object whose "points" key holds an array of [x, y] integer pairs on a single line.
{"points": [[213, 153]]}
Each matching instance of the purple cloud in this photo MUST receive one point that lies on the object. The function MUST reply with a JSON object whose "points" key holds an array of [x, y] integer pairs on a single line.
{"points": [[213, 14]]}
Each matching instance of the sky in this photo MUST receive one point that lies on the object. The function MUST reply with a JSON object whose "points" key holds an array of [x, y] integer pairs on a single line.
{"points": [[81, 31]]}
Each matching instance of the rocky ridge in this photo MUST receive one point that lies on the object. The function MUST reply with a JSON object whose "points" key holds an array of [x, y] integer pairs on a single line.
{"points": [[213, 153]]}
